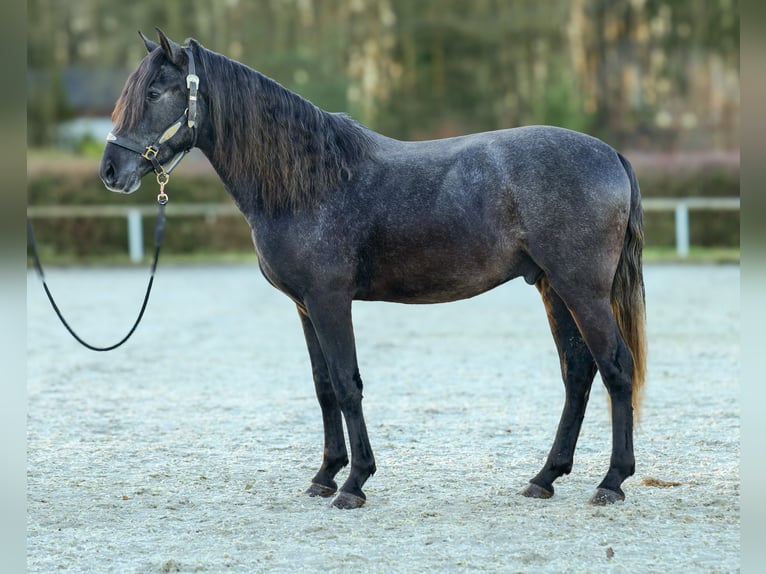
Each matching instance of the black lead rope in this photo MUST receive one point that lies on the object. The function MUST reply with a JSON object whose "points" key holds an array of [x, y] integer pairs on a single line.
{"points": [[159, 232], [150, 154]]}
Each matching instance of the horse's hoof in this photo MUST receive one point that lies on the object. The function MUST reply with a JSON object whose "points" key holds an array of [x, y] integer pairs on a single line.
{"points": [[348, 501], [605, 496], [533, 490], [320, 490]]}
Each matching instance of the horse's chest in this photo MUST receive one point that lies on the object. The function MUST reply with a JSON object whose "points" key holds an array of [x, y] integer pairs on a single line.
{"points": [[295, 259]]}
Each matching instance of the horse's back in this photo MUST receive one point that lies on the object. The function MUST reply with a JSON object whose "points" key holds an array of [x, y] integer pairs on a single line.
{"points": [[534, 166], [529, 181]]}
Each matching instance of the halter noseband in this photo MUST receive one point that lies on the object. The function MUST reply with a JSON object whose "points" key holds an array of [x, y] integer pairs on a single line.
{"points": [[189, 117]]}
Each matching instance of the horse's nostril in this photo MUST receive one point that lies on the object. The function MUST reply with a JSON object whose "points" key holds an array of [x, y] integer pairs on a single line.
{"points": [[108, 173]]}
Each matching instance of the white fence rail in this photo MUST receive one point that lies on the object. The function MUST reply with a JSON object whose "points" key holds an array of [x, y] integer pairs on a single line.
{"points": [[682, 206], [135, 214]]}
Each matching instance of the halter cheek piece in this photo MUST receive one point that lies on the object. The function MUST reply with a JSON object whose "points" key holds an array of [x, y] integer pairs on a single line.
{"points": [[189, 117]]}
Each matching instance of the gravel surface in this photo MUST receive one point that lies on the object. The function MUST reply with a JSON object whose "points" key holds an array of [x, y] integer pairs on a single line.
{"points": [[188, 449]]}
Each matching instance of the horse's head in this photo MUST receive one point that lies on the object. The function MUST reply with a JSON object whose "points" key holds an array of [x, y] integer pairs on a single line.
{"points": [[155, 118]]}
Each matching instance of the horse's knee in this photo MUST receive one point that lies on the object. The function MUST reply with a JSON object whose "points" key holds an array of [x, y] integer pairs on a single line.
{"points": [[326, 397], [350, 402]]}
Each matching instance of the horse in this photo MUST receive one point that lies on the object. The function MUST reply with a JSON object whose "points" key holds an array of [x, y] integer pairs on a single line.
{"points": [[339, 212]]}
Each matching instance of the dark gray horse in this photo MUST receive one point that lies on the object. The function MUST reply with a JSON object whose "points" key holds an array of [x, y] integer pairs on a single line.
{"points": [[339, 212]]}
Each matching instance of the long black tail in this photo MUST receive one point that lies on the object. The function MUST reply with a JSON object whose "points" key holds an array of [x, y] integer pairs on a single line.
{"points": [[628, 295]]}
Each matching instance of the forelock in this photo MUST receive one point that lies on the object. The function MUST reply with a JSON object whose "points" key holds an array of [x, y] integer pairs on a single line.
{"points": [[129, 108]]}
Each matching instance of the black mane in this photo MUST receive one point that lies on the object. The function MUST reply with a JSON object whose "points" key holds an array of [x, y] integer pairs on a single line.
{"points": [[294, 151]]}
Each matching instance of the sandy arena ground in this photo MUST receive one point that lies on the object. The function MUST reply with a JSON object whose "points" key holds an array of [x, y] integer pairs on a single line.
{"points": [[188, 449]]}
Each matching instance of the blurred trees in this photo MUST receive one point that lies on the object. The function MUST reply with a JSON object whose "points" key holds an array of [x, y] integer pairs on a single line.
{"points": [[653, 74]]}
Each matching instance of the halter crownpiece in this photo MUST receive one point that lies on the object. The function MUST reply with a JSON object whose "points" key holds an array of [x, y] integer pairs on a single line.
{"points": [[192, 84], [189, 117]]}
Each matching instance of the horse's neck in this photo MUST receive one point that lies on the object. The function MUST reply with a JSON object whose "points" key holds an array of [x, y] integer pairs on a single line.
{"points": [[284, 176], [243, 192]]}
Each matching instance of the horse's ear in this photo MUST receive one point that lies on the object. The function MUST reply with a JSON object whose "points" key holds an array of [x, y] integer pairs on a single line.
{"points": [[150, 46], [173, 51]]}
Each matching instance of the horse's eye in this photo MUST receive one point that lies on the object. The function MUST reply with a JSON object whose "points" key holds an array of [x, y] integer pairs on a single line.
{"points": [[153, 95]]}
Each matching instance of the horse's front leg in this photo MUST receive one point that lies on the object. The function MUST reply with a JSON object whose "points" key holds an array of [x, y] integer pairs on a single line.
{"points": [[330, 314], [335, 456]]}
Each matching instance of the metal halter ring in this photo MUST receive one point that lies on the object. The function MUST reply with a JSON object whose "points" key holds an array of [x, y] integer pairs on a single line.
{"points": [[162, 179]]}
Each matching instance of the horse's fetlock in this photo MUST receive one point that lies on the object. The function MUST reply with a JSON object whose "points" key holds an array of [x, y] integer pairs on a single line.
{"points": [[363, 472], [561, 468]]}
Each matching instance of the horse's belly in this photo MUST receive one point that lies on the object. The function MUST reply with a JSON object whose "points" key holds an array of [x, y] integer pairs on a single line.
{"points": [[429, 279]]}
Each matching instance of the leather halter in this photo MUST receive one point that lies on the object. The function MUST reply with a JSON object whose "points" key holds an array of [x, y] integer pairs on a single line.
{"points": [[189, 117]]}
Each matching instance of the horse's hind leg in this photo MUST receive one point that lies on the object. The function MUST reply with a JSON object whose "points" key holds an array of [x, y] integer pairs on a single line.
{"points": [[578, 370], [335, 455], [591, 308]]}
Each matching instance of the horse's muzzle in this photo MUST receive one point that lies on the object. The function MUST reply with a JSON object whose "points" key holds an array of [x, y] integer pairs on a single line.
{"points": [[120, 181]]}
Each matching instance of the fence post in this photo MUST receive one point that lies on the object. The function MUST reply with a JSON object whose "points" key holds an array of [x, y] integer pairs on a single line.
{"points": [[682, 229], [135, 236]]}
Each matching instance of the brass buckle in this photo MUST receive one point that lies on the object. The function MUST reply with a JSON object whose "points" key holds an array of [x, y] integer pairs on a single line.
{"points": [[150, 153]]}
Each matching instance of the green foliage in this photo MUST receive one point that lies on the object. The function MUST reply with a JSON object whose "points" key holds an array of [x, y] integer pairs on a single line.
{"points": [[89, 146], [431, 68], [561, 104]]}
